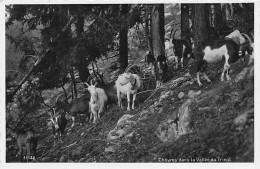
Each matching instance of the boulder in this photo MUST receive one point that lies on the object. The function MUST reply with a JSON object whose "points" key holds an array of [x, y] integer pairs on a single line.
{"points": [[167, 131], [245, 73], [181, 95], [184, 118], [242, 118], [123, 127]]}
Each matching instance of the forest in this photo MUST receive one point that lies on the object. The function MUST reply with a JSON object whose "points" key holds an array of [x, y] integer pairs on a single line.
{"points": [[53, 50]]}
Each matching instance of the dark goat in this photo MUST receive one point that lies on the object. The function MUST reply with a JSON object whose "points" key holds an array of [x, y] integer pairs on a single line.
{"points": [[75, 107], [27, 144], [59, 123], [160, 69], [182, 50], [149, 58]]}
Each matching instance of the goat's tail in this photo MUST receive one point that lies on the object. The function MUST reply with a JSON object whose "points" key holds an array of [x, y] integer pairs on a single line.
{"points": [[248, 38]]}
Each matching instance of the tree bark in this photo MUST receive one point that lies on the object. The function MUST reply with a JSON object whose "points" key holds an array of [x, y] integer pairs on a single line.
{"points": [[123, 43], [218, 16], [185, 31], [157, 30], [148, 28], [200, 31]]}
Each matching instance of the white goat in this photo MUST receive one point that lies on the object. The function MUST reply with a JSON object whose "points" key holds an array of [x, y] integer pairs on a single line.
{"points": [[97, 101], [127, 83]]}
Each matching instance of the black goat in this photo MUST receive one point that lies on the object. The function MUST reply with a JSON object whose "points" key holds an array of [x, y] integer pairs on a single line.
{"points": [[160, 69], [76, 107], [182, 49], [59, 123], [149, 58]]}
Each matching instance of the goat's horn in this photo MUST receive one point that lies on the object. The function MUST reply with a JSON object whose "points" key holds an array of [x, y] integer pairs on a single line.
{"points": [[86, 84], [248, 38], [173, 33]]}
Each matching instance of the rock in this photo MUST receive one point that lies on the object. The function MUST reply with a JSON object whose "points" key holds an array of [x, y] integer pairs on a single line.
{"points": [[77, 151], [160, 111], [157, 104], [204, 108], [184, 118], [169, 93], [63, 158], [245, 73], [187, 74], [112, 137], [121, 132], [45, 159], [191, 94], [242, 118], [124, 126], [181, 95], [82, 160], [167, 131], [125, 120], [198, 93], [130, 135], [112, 149]]}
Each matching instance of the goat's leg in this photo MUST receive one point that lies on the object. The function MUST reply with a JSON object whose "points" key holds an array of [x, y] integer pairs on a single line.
{"points": [[28, 150], [128, 101], [227, 73], [95, 116], [182, 61], [176, 62], [19, 152], [73, 122], [198, 78], [206, 77], [226, 67], [119, 99], [91, 117], [101, 109], [133, 104]]}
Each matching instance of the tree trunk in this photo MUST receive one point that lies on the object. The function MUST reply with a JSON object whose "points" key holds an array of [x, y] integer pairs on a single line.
{"points": [[82, 63], [200, 31], [73, 81], [218, 16], [157, 30], [123, 43], [185, 31], [148, 29]]}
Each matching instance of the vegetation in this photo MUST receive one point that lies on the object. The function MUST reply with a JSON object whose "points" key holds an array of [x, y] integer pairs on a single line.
{"points": [[52, 49]]}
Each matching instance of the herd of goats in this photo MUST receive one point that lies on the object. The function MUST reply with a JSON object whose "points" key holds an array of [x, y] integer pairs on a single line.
{"points": [[231, 48]]}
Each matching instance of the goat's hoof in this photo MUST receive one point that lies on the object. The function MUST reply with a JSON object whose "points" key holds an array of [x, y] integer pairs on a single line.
{"points": [[128, 109]]}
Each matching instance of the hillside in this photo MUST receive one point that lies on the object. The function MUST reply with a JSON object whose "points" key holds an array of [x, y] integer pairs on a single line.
{"points": [[179, 122]]}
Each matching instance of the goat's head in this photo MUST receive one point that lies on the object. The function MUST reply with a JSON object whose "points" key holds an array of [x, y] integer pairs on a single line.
{"points": [[237, 37], [54, 119], [246, 46], [92, 90], [160, 67]]}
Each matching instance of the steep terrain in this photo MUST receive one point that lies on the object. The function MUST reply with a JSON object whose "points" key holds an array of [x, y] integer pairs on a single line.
{"points": [[179, 122]]}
